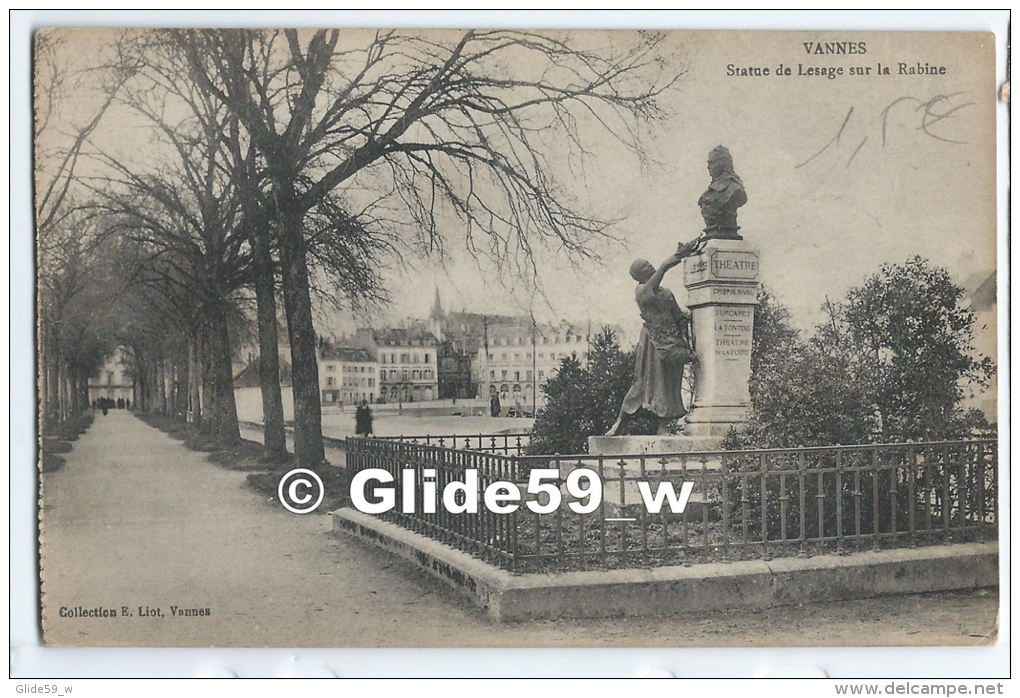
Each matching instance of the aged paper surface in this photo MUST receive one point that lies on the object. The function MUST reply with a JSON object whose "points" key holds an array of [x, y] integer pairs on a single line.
{"points": [[855, 150]]}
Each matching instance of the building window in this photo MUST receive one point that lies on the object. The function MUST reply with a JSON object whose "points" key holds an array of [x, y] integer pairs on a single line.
{"points": [[492, 374], [427, 359]]}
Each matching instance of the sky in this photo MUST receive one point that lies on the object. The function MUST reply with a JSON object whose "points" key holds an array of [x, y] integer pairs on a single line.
{"points": [[819, 227], [841, 174]]}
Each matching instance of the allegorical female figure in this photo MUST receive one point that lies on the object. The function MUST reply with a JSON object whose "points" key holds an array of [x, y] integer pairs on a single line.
{"points": [[664, 347]]}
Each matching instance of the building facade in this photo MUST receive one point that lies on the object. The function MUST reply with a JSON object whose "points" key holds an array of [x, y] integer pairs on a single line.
{"points": [[113, 380], [407, 359], [518, 359], [347, 375], [456, 379]]}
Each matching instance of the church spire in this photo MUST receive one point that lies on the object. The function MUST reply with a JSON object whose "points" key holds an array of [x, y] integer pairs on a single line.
{"points": [[437, 307]]}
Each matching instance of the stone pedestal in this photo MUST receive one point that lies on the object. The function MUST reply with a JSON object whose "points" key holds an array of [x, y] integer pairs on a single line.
{"points": [[663, 458], [722, 292], [651, 445]]}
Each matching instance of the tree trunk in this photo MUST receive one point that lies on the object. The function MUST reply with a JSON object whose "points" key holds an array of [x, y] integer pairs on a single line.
{"points": [[164, 405], [194, 381], [208, 397], [62, 387], [221, 380], [274, 435], [297, 302], [75, 391], [152, 381], [54, 386]]}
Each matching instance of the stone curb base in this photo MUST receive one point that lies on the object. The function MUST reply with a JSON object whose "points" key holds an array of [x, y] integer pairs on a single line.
{"points": [[753, 584]]}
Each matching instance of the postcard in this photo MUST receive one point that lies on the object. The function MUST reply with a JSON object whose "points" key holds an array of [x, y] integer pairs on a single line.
{"points": [[499, 338]]}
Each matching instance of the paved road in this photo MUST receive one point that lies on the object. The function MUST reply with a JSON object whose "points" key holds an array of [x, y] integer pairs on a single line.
{"points": [[134, 519]]}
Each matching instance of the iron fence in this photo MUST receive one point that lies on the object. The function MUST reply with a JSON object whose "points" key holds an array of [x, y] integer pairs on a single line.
{"points": [[742, 504], [505, 444], [489, 536]]}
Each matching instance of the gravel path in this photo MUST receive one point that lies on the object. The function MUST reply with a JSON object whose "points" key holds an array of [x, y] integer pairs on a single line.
{"points": [[135, 519]]}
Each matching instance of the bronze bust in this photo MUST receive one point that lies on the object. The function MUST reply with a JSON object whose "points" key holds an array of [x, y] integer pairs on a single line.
{"points": [[723, 197]]}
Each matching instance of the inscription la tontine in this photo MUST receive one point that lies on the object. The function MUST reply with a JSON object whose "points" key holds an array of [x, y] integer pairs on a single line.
{"points": [[733, 327]]}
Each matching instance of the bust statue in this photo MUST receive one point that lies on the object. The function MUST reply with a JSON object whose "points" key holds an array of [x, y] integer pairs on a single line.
{"points": [[723, 197]]}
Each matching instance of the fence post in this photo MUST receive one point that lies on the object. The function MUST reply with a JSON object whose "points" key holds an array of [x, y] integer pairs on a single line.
{"points": [[762, 466], [874, 501], [724, 462], [947, 504], [893, 508], [840, 549], [980, 450], [515, 475], [802, 497]]}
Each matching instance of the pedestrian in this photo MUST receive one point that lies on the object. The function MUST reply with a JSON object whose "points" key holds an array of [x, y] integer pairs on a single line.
{"points": [[120, 403], [363, 419], [127, 404], [106, 405], [494, 407]]}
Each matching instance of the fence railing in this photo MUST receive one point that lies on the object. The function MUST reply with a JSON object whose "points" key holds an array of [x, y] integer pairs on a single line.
{"points": [[506, 444], [742, 504], [489, 536]]}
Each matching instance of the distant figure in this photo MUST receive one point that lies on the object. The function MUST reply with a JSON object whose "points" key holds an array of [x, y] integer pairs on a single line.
{"points": [[95, 404], [120, 403], [106, 405], [341, 407], [363, 419], [494, 406], [127, 404]]}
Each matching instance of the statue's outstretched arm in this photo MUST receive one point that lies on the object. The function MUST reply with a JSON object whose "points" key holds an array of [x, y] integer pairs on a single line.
{"points": [[683, 250], [670, 262]]}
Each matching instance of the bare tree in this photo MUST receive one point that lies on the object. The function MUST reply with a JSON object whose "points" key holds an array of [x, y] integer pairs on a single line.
{"points": [[185, 213], [64, 240], [441, 121]]}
